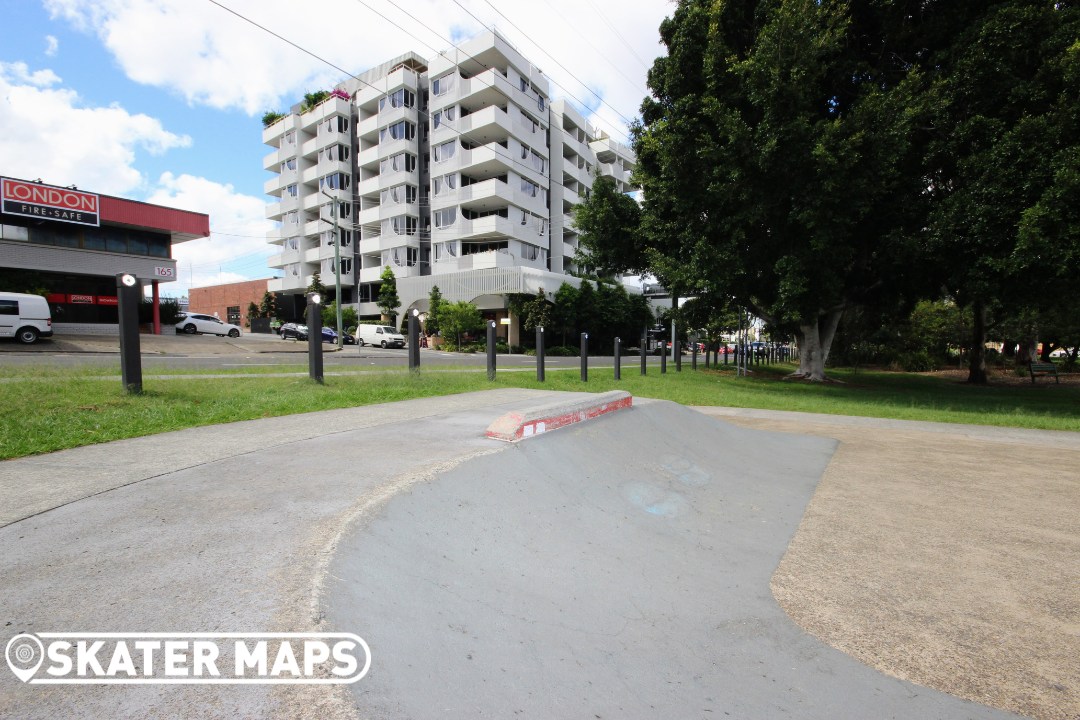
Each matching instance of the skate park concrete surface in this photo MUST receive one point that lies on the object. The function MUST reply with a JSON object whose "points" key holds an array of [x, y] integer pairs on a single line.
{"points": [[618, 567]]}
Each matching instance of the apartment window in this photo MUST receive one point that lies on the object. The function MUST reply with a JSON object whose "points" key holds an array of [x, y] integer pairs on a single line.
{"points": [[398, 194], [292, 244], [529, 252], [446, 217], [289, 164], [541, 103], [528, 187], [444, 183], [290, 138], [290, 190], [530, 123], [398, 163], [446, 116], [396, 99], [335, 181], [292, 217], [398, 131], [336, 125], [446, 250], [442, 85], [524, 84], [400, 225], [445, 151], [336, 153]]}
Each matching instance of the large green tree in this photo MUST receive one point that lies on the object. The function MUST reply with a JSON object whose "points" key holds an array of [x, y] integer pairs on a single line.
{"points": [[609, 223], [433, 323], [776, 157], [1003, 164], [459, 318]]}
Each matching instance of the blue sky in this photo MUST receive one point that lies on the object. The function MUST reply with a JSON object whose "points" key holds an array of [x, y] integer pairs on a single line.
{"points": [[160, 100]]}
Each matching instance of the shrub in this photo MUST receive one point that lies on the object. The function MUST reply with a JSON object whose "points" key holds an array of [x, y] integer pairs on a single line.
{"points": [[916, 361]]}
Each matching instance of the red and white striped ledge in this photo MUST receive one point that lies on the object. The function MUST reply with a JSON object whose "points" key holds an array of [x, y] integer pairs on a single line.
{"points": [[520, 424]]}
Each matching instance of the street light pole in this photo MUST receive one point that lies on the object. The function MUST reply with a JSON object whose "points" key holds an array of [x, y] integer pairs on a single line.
{"points": [[337, 265]]}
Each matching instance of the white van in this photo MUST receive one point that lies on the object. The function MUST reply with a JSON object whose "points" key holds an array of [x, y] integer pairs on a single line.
{"points": [[381, 335], [24, 317]]}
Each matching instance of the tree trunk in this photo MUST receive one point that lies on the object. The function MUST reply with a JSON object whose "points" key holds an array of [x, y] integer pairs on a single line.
{"points": [[977, 357], [1047, 348], [815, 341]]}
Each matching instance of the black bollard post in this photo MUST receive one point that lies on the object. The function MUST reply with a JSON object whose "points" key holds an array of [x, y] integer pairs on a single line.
{"points": [[693, 354], [726, 353], [128, 297], [678, 356], [414, 342], [663, 358], [642, 350], [491, 350], [618, 359], [584, 357], [540, 354], [314, 324]]}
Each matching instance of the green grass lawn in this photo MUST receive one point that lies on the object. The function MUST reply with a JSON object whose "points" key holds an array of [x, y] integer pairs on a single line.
{"points": [[50, 409]]}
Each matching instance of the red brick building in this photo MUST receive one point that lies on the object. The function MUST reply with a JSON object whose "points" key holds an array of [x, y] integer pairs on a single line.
{"points": [[229, 302]]}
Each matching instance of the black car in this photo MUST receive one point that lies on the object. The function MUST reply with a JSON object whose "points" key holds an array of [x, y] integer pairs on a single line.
{"points": [[294, 331]]}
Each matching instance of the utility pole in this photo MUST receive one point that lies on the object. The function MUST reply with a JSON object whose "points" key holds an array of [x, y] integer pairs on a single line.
{"points": [[337, 265]]}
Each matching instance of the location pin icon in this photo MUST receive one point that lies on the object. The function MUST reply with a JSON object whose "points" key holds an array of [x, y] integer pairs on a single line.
{"points": [[24, 655]]}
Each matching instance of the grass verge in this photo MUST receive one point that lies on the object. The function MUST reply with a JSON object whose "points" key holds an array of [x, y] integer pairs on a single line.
{"points": [[44, 411]]}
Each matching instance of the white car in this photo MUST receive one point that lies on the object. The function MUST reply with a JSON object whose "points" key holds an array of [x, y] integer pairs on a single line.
{"points": [[192, 323]]}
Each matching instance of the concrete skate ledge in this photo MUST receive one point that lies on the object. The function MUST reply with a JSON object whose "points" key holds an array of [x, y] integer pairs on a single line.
{"points": [[521, 424]]}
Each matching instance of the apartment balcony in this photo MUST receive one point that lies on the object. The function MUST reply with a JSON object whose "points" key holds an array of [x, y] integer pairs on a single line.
{"points": [[272, 160], [393, 147], [272, 135], [487, 88], [391, 241], [331, 107], [475, 261], [482, 126], [371, 274], [369, 158], [309, 148], [400, 177], [390, 115], [370, 187], [369, 246], [487, 160], [274, 211], [607, 149], [490, 227], [368, 128], [370, 216], [390, 209], [365, 309]]}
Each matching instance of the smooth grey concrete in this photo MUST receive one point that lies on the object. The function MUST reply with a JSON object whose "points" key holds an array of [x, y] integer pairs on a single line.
{"points": [[218, 529], [614, 569]]}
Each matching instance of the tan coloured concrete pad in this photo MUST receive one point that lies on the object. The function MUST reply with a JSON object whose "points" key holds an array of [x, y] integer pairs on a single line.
{"points": [[944, 555]]}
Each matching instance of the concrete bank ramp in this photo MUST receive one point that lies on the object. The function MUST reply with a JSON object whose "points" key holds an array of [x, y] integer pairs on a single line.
{"points": [[617, 568]]}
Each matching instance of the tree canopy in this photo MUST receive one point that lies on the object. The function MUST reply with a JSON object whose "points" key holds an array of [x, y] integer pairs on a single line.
{"points": [[802, 156], [388, 301]]}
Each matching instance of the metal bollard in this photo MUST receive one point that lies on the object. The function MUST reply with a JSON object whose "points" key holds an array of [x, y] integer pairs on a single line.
{"points": [[491, 350], [678, 355], [540, 354], [584, 357], [618, 359], [693, 355], [663, 358], [642, 349], [314, 323], [414, 341], [129, 294]]}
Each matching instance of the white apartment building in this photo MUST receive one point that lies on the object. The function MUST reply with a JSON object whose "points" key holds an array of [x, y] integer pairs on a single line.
{"points": [[455, 171]]}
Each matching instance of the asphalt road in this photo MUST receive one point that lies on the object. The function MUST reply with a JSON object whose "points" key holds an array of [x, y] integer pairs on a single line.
{"points": [[180, 352]]}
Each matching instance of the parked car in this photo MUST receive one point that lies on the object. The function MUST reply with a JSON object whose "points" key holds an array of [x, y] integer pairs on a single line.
{"points": [[382, 335], [24, 317], [191, 323], [329, 335], [294, 331]]}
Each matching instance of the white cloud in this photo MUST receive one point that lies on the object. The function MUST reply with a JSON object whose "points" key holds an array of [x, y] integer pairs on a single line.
{"points": [[236, 249], [211, 57], [52, 45], [46, 133]]}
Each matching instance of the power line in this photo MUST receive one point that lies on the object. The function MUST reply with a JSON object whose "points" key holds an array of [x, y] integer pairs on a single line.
{"points": [[563, 67], [644, 65]]}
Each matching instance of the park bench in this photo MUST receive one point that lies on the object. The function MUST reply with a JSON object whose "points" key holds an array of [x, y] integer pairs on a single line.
{"points": [[1041, 369]]}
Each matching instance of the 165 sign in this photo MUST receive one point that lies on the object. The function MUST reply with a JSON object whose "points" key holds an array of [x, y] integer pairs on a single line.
{"points": [[165, 272]]}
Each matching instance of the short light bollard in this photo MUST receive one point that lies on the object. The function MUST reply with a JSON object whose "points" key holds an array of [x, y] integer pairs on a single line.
{"points": [[663, 359], [584, 357], [642, 349], [540, 354], [678, 356], [491, 350], [129, 293], [693, 354], [618, 359], [414, 341], [314, 323]]}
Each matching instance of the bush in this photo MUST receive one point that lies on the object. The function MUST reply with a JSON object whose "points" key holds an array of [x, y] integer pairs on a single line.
{"points": [[916, 361], [562, 351]]}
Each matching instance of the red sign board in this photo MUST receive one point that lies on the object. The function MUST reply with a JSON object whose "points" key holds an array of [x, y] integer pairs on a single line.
{"points": [[107, 300], [37, 200], [81, 299]]}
